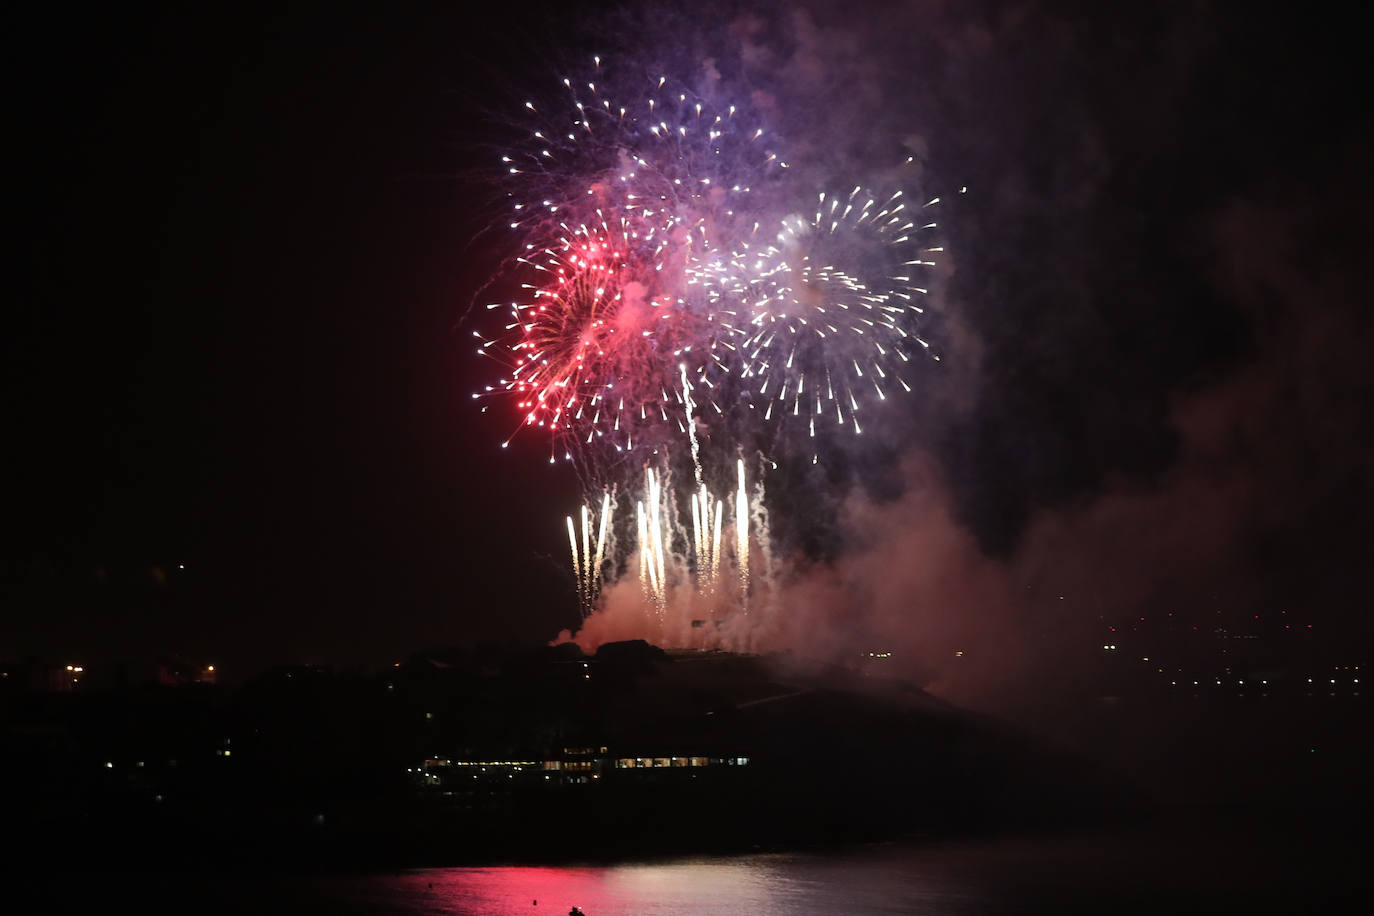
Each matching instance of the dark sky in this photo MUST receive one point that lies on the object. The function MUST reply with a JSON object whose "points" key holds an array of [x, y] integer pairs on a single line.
{"points": [[247, 241], [245, 266]]}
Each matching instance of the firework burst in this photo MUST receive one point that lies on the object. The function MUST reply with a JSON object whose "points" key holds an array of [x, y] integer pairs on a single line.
{"points": [[619, 193], [824, 319]]}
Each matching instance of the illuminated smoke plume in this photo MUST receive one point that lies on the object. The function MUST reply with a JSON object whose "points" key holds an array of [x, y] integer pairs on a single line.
{"points": [[691, 302], [693, 582]]}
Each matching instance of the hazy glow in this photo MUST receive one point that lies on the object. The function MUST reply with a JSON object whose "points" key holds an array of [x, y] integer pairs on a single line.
{"points": [[674, 562], [669, 275]]}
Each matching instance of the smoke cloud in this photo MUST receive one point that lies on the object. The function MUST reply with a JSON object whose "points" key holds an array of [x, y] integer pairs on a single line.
{"points": [[1144, 409]]}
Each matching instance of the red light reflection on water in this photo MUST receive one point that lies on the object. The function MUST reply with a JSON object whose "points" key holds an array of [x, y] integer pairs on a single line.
{"points": [[697, 887], [515, 890]]}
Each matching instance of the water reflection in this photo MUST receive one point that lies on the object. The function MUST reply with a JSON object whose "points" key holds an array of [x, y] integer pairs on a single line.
{"points": [[1189, 866], [877, 881], [1170, 867]]}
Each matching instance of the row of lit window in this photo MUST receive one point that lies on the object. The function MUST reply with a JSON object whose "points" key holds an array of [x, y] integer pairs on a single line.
{"points": [[587, 765], [630, 763], [576, 766]]}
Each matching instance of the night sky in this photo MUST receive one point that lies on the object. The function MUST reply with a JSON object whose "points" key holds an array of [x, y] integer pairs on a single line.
{"points": [[247, 241]]}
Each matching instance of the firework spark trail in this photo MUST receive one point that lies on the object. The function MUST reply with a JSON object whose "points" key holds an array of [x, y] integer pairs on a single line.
{"points": [[587, 590], [586, 565], [653, 569], [656, 532], [706, 521], [648, 567], [601, 540], [577, 569], [688, 407], [715, 543], [742, 536], [684, 579], [698, 536], [642, 531]]}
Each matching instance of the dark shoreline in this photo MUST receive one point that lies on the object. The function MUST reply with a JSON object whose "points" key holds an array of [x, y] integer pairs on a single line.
{"points": [[324, 773]]}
